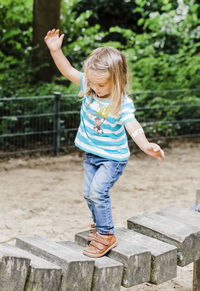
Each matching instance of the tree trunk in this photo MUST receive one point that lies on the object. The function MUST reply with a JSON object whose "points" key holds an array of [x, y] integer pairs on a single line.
{"points": [[46, 14]]}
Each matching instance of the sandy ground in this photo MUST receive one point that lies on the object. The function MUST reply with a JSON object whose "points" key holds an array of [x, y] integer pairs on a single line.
{"points": [[43, 196]]}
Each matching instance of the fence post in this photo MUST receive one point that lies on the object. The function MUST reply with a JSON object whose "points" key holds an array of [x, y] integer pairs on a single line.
{"points": [[56, 123], [196, 266]]}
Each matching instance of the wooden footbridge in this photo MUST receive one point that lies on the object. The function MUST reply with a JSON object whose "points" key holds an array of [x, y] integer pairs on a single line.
{"points": [[148, 250]]}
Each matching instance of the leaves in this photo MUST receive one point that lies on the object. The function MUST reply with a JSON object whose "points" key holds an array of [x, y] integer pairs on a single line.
{"points": [[160, 39]]}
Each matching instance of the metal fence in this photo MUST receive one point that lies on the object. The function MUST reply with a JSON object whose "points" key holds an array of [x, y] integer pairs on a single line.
{"points": [[48, 124]]}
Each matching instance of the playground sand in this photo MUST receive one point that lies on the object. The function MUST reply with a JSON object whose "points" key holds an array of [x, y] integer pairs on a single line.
{"points": [[43, 196]]}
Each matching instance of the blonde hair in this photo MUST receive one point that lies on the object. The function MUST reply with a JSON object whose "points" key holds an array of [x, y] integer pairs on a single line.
{"points": [[108, 60]]}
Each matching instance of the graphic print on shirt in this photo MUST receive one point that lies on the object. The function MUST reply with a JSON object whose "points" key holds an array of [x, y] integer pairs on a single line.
{"points": [[99, 117]]}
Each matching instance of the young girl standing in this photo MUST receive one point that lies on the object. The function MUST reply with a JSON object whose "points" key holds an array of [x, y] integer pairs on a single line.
{"points": [[105, 114]]}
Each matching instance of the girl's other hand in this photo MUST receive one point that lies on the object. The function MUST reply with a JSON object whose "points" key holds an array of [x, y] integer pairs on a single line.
{"points": [[53, 40], [155, 151]]}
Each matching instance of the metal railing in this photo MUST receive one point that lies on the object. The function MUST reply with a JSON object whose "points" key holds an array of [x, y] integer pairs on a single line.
{"points": [[43, 124], [48, 124]]}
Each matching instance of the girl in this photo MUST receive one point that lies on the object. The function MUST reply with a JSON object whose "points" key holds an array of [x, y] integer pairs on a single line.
{"points": [[105, 113]]}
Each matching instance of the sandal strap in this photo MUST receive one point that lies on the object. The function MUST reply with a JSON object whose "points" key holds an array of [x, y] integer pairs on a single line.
{"points": [[97, 245], [93, 230], [100, 240]]}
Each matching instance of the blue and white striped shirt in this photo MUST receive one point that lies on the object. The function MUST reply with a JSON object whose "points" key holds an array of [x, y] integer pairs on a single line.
{"points": [[101, 133]]}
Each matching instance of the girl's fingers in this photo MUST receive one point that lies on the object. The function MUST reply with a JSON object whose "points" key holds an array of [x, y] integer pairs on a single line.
{"points": [[53, 32], [62, 36], [163, 153], [156, 148], [50, 32], [159, 152], [156, 151]]}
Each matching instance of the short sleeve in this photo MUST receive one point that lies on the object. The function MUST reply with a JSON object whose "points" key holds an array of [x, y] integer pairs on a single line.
{"points": [[128, 110]]}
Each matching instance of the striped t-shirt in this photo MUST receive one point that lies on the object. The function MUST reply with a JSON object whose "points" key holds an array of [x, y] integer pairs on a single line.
{"points": [[101, 133]]}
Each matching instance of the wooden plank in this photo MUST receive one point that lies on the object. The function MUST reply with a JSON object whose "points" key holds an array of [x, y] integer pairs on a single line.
{"points": [[184, 215], [13, 269], [163, 255], [184, 237], [77, 268], [107, 272], [42, 274], [196, 276], [135, 258], [196, 266]]}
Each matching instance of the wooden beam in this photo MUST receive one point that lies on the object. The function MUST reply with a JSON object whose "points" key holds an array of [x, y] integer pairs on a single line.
{"points": [[196, 267]]}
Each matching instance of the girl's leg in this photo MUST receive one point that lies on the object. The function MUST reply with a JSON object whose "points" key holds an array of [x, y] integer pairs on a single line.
{"points": [[106, 175], [90, 171]]}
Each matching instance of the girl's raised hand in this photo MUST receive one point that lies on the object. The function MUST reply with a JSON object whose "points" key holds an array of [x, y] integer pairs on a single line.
{"points": [[155, 151], [53, 40]]}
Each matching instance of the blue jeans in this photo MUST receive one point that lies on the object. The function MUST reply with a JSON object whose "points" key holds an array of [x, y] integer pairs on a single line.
{"points": [[100, 176]]}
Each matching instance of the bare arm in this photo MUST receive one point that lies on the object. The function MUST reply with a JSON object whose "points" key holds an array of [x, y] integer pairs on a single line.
{"points": [[136, 132], [54, 42]]}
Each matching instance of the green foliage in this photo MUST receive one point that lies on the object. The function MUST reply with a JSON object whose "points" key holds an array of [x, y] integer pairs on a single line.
{"points": [[160, 39], [16, 67], [165, 56], [16, 46], [124, 13], [80, 38]]}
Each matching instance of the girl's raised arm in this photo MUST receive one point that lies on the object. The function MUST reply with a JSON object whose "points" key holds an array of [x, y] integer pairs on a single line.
{"points": [[54, 42]]}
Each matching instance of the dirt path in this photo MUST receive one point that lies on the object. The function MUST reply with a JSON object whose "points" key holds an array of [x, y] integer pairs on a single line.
{"points": [[44, 196]]}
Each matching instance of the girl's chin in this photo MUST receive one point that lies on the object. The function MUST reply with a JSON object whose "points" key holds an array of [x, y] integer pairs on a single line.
{"points": [[103, 96]]}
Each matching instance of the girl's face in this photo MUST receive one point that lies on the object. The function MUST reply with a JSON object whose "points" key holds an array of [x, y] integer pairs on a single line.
{"points": [[101, 85]]}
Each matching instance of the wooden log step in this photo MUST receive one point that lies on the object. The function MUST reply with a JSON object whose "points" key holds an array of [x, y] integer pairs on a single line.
{"points": [[13, 269], [196, 266], [163, 255], [188, 217], [107, 272], [184, 215], [77, 268], [42, 275], [185, 238], [135, 259]]}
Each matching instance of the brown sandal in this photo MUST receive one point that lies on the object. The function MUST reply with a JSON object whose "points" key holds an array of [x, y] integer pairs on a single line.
{"points": [[92, 232], [100, 245]]}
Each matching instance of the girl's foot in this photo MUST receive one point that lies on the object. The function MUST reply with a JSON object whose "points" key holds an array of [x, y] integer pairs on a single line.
{"points": [[100, 245], [92, 232]]}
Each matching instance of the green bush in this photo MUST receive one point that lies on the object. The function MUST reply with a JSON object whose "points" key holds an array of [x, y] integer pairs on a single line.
{"points": [[162, 49]]}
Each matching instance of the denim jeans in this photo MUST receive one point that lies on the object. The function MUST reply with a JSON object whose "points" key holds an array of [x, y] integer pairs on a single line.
{"points": [[100, 176]]}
